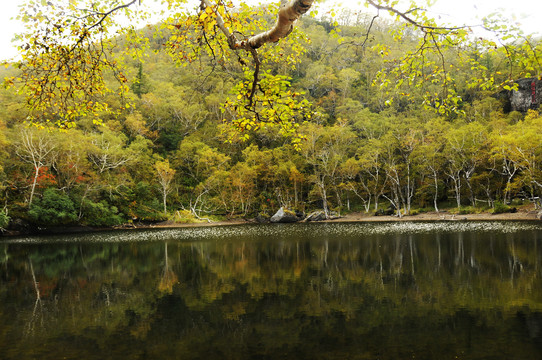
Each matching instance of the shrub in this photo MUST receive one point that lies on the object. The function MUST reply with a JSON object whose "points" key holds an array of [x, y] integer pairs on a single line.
{"points": [[4, 219], [464, 210], [420, 211], [53, 209], [141, 203], [184, 217], [100, 214], [151, 210], [500, 208]]}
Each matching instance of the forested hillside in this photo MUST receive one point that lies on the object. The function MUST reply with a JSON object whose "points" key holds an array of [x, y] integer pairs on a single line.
{"points": [[176, 149]]}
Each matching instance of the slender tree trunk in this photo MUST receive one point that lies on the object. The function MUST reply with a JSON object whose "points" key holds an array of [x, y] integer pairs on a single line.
{"points": [[435, 197], [323, 192], [398, 202], [295, 194], [339, 200], [457, 188], [377, 199], [471, 192], [165, 201], [34, 182], [410, 190], [324, 202]]}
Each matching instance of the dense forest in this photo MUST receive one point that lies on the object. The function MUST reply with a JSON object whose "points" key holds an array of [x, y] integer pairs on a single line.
{"points": [[174, 150]]}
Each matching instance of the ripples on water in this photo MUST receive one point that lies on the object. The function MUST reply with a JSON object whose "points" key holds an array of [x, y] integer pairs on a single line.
{"points": [[315, 230]]}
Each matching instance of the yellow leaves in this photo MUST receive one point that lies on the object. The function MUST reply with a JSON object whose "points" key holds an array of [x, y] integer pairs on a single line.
{"points": [[208, 13], [9, 82], [275, 106]]}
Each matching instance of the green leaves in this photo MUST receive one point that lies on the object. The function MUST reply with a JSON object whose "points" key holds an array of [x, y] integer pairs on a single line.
{"points": [[54, 209], [4, 219]]}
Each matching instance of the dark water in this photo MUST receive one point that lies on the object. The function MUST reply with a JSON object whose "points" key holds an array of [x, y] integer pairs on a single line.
{"points": [[320, 291]]}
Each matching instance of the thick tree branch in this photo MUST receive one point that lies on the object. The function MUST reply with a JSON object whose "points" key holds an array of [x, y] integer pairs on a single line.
{"points": [[289, 12]]}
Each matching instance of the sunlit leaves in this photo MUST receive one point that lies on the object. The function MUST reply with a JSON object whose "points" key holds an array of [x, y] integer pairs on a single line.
{"points": [[433, 68], [69, 64], [274, 105], [67, 60]]}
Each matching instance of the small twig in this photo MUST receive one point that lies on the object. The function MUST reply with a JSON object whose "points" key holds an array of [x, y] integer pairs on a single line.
{"points": [[99, 22]]}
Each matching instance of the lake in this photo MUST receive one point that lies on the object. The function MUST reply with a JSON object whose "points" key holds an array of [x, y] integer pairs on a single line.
{"points": [[445, 290]]}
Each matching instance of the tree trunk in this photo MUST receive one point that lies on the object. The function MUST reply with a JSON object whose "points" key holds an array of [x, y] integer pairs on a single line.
{"points": [[295, 194], [469, 186], [34, 182], [165, 198], [457, 187], [323, 193], [435, 197]]}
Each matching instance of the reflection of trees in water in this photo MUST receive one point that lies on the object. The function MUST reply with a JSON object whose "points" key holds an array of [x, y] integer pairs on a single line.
{"points": [[169, 278], [386, 268], [228, 285], [35, 315]]}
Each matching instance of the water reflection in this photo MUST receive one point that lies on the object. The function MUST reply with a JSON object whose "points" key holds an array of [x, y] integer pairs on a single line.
{"points": [[386, 291]]}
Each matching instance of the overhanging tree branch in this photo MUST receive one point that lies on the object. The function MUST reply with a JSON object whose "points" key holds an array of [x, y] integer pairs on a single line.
{"points": [[412, 21]]}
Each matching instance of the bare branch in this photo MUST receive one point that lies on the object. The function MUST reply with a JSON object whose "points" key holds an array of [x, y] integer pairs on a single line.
{"points": [[99, 22], [410, 20], [254, 53], [106, 14]]}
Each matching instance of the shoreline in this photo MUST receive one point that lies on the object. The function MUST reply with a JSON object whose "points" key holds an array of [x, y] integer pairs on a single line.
{"points": [[523, 214], [442, 216], [358, 217]]}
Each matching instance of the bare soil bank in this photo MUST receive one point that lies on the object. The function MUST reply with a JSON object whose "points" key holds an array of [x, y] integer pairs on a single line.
{"points": [[442, 216], [525, 213]]}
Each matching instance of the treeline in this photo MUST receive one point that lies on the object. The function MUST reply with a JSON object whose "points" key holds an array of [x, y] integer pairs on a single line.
{"points": [[172, 154]]}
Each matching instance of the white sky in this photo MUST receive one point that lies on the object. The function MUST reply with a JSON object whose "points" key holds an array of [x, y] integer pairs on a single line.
{"points": [[527, 13]]}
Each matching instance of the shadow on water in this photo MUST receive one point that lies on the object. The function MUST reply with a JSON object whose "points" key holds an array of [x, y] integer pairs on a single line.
{"points": [[302, 291]]}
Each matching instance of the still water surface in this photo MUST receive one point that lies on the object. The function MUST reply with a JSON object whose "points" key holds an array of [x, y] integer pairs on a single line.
{"points": [[302, 291]]}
